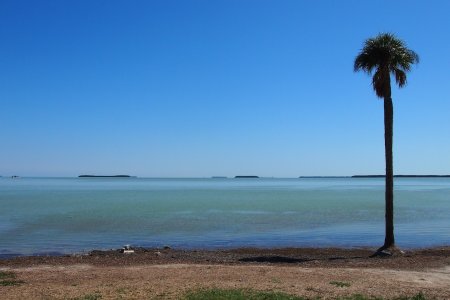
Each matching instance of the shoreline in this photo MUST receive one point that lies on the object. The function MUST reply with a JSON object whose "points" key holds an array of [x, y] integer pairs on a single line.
{"points": [[329, 257], [140, 249]]}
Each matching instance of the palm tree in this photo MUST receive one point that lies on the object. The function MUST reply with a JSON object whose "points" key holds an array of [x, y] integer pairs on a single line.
{"points": [[382, 56]]}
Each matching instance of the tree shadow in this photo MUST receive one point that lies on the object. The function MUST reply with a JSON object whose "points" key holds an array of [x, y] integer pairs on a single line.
{"points": [[343, 257]]}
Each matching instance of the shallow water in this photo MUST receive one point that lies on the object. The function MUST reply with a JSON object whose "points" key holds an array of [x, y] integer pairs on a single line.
{"points": [[65, 215]]}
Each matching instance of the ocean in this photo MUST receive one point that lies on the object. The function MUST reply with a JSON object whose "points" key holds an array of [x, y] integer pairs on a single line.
{"points": [[76, 215]]}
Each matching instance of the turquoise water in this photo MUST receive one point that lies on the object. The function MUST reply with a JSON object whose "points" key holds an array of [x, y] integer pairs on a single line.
{"points": [[66, 215]]}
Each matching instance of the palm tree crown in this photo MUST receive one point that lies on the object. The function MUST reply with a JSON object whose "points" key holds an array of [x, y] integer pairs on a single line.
{"points": [[385, 54]]}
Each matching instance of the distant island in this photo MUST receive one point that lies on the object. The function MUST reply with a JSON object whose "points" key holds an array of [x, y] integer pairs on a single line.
{"points": [[399, 176], [126, 176], [246, 176], [218, 177], [324, 177]]}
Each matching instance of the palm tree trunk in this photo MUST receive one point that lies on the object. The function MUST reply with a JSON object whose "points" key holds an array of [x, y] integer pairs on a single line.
{"points": [[388, 136]]}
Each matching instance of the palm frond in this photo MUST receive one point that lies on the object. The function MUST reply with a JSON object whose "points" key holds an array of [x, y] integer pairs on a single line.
{"points": [[379, 82], [400, 77], [385, 52], [363, 62]]}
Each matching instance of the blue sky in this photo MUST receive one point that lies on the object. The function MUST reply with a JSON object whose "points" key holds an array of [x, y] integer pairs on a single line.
{"points": [[203, 88]]}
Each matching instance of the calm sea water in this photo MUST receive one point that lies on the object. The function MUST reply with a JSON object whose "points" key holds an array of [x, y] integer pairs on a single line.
{"points": [[66, 215]]}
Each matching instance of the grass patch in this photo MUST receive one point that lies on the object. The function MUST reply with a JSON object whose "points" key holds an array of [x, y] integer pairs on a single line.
{"points": [[416, 297], [10, 282], [238, 294], [9, 279], [95, 296], [340, 284], [7, 275], [245, 294], [362, 297], [359, 297]]}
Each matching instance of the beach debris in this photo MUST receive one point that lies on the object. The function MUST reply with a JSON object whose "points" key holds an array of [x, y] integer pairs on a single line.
{"points": [[127, 249], [167, 247], [158, 253]]}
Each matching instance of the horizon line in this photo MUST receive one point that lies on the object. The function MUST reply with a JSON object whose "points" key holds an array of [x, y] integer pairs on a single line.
{"points": [[230, 177]]}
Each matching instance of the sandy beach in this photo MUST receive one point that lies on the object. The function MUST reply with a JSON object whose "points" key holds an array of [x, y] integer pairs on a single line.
{"points": [[170, 273]]}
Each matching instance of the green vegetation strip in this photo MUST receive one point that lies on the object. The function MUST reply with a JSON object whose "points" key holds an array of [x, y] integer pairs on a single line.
{"points": [[95, 296], [218, 294], [7, 275], [340, 284], [242, 294], [9, 279]]}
